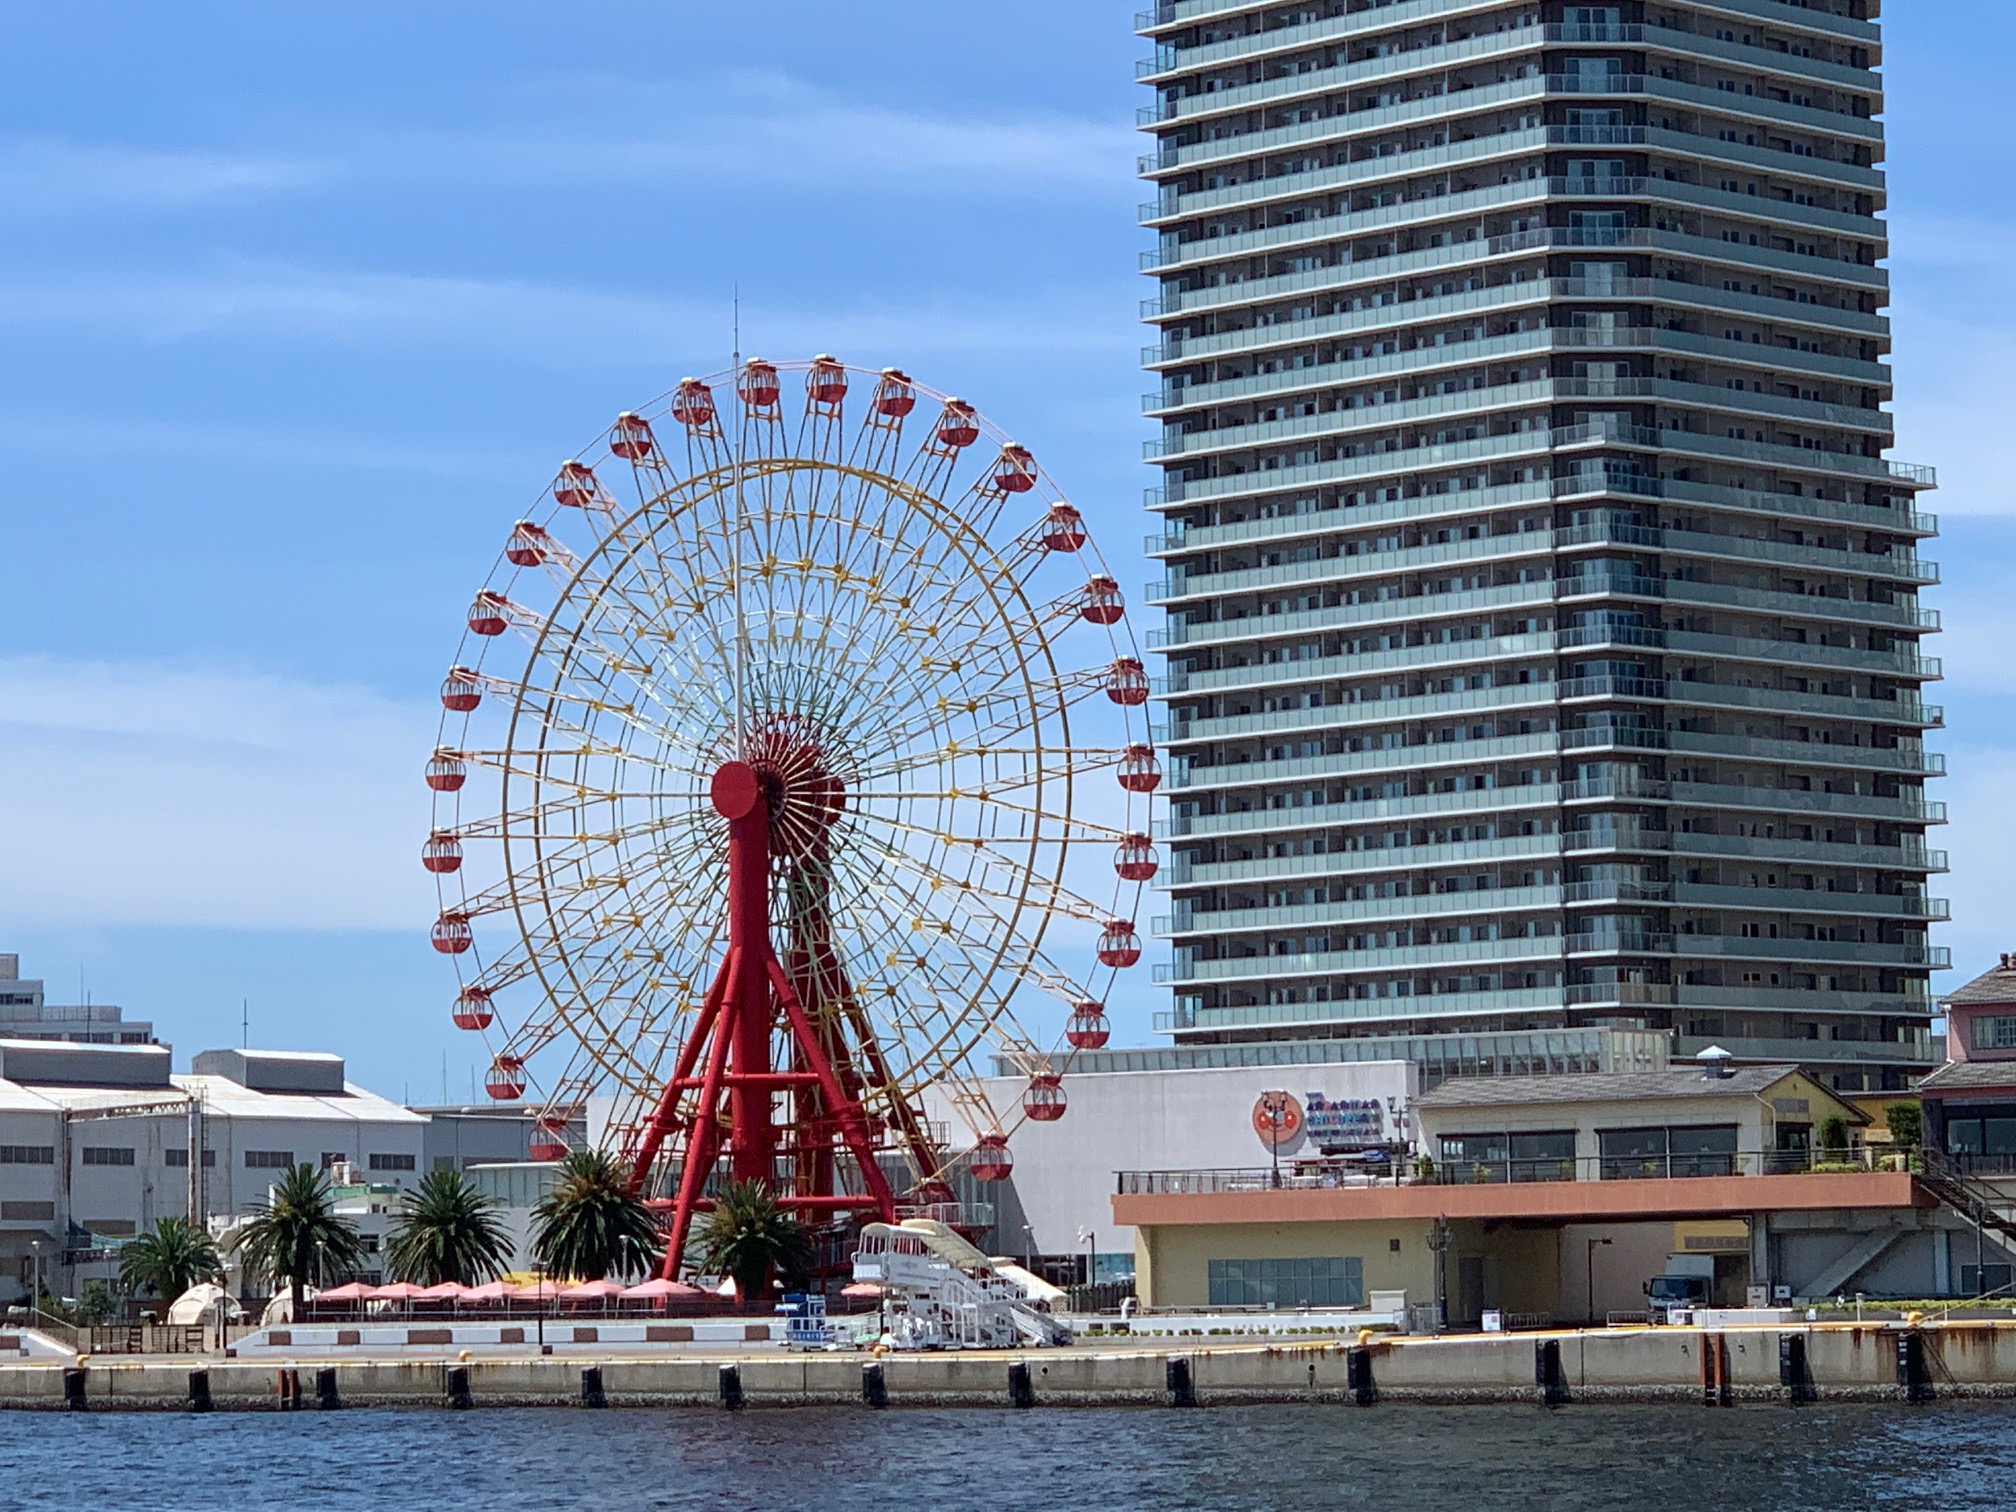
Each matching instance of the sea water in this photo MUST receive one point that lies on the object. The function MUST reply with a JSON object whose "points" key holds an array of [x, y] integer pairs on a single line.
{"points": [[1949, 1457]]}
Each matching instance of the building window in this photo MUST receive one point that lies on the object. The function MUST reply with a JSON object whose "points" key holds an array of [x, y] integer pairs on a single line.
{"points": [[1981, 1136], [108, 1155], [444, 1162], [175, 1158], [1539, 1156], [330, 1157], [1698, 1150], [1336, 1281], [1998, 1033], [383, 1162], [268, 1160], [28, 1155], [1978, 1280]]}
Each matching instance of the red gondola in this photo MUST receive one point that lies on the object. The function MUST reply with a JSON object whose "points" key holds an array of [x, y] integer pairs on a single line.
{"points": [[486, 615], [895, 395], [460, 691], [442, 852], [1014, 470], [826, 381], [1127, 682], [549, 1139], [990, 1160], [630, 437], [451, 934], [1102, 603], [758, 384], [1087, 1028], [1140, 772], [505, 1080], [1064, 529], [528, 545], [1135, 860], [957, 425], [473, 1010], [1044, 1099], [693, 404], [575, 485], [1119, 946], [446, 772]]}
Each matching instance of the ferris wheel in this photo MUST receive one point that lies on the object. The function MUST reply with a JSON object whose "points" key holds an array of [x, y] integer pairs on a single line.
{"points": [[792, 762]]}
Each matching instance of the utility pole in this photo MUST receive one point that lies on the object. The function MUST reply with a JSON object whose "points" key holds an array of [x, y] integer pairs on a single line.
{"points": [[197, 1217]]}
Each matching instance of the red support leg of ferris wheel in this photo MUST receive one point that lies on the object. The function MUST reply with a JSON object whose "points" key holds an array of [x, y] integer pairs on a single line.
{"points": [[725, 1079]]}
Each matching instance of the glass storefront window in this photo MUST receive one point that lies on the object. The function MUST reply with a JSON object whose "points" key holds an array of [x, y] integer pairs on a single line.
{"points": [[1321, 1281]]}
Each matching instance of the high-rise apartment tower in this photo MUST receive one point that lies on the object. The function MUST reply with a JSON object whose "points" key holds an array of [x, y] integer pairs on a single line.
{"points": [[1543, 638]]}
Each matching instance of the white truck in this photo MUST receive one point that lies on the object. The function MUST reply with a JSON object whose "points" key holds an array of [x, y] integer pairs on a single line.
{"points": [[1688, 1283]]}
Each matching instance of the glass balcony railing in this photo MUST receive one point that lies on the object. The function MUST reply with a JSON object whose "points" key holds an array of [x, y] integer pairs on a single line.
{"points": [[1301, 330], [1202, 921], [1242, 290]]}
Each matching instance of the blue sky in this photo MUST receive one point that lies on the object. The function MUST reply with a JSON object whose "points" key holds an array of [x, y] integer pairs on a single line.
{"points": [[299, 304]]}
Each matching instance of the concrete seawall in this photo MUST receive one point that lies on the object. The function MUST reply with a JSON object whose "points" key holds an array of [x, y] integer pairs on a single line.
{"points": [[1825, 1362]]}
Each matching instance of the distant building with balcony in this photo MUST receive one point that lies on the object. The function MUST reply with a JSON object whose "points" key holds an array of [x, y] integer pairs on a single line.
{"points": [[1557, 1198], [25, 1013], [1544, 634], [1970, 1102]]}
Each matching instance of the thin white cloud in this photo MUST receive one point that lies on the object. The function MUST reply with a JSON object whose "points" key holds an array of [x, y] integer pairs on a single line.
{"points": [[740, 128], [150, 794], [138, 435], [528, 320], [42, 176]]}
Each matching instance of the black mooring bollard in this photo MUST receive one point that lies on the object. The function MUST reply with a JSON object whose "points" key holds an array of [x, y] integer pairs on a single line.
{"points": [[458, 1387], [1358, 1372], [1021, 1393], [874, 1385], [1795, 1377], [73, 1389], [1180, 1381], [1914, 1370], [592, 1394], [326, 1398], [199, 1391], [1547, 1374], [731, 1387]]}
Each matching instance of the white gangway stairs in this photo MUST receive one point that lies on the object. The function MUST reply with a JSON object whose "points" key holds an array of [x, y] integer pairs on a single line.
{"points": [[942, 1293]]}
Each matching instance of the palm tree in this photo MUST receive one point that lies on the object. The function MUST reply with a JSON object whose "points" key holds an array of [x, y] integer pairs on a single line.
{"points": [[448, 1231], [591, 1224], [749, 1236], [296, 1236], [171, 1259]]}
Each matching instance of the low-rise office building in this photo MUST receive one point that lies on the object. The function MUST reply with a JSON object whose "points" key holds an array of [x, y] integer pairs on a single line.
{"points": [[27, 1013], [1559, 1198]]}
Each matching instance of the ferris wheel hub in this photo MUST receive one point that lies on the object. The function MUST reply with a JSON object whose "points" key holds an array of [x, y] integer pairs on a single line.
{"points": [[735, 790]]}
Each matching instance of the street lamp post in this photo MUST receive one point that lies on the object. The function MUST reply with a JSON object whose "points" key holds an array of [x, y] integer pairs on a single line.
{"points": [[35, 1297], [1589, 1268], [539, 1299]]}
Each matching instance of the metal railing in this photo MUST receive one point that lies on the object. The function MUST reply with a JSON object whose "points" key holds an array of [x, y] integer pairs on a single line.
{"points": [[1465, 1172]]}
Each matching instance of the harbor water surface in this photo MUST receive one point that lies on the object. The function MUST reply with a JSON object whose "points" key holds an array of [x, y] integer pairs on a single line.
{"points": [[1286, 1459]]}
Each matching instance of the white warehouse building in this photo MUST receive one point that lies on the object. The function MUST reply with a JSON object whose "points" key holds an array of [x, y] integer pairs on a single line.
{"points": [[96, 1141]]}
